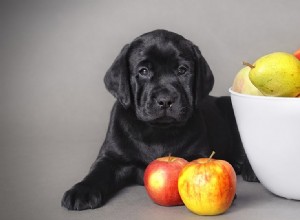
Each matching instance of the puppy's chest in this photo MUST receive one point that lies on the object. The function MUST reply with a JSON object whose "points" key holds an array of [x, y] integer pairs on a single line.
{"points": [[154, 145]]}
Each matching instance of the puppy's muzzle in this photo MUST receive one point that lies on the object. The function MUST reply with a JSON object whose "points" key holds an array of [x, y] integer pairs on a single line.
{"points": [[164, 99]]}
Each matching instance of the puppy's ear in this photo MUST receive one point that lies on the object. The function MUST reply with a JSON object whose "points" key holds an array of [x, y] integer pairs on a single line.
{"points": [[117, 78], [204, 79]]}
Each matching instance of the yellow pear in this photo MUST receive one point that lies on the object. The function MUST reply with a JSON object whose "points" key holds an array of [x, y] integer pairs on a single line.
{"points": [[276, 74], [242, 83]]}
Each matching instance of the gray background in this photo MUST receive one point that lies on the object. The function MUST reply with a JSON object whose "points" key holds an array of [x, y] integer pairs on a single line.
{"points": [[54, 108]]}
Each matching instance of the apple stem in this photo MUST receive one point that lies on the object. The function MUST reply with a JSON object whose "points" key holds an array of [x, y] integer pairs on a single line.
{"points": [[210, 157], [248, 64], [169, 160]]}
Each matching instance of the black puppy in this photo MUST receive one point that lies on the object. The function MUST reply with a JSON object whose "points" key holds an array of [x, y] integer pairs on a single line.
{"points": [[161, 82]]}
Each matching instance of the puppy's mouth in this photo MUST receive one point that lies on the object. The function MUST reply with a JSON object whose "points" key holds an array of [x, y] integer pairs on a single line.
{"points": [[163, 122]]}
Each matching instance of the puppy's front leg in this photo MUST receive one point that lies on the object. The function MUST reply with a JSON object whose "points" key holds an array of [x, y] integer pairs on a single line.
{"points": [[106, 177]]}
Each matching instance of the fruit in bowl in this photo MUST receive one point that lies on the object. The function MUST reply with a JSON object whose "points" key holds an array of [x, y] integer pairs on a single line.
{"points": [[297, 53], [276, 74], [242, 83]]}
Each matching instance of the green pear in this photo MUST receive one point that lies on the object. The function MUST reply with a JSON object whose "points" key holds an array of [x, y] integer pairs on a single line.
{"points": [[242, 83], [276, 74]]}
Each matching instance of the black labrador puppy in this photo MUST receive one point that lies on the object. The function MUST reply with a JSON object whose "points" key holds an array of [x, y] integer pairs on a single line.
{"points": [[161, 82]]}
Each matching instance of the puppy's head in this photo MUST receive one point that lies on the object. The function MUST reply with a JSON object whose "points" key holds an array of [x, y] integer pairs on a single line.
{"points": [[162, 76]]}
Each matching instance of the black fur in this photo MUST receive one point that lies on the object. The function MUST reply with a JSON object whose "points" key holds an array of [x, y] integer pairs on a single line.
{"points": [[161, 82]]}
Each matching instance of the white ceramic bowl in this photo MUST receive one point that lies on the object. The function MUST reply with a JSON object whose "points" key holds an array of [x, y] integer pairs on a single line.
{"points": [[270, 132]]}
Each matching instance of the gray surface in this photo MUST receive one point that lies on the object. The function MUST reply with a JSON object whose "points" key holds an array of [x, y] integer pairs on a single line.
{"points": [[54, 109]]}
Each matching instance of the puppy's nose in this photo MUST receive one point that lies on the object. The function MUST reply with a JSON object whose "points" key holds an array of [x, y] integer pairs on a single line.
{"points": [[164, 101]]}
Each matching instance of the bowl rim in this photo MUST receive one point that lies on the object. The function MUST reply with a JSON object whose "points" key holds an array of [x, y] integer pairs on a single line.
{"points": [[261, 97]]}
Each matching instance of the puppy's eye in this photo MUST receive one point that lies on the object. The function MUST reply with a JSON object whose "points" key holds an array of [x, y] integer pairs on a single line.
{"points": [[182, 69], [143, 71]]}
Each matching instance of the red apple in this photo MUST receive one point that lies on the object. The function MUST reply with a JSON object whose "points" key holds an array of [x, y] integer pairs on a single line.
{"points": [[161, 180], [207, 186], [297, 53]]}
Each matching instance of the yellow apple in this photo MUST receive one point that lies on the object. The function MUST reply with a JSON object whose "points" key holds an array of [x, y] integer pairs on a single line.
{"points": [[207, 186]]}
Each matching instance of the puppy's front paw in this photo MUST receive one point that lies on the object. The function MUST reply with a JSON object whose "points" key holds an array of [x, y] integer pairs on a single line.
{"points": [[248, 173], [81, 197], [249, 177]]}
